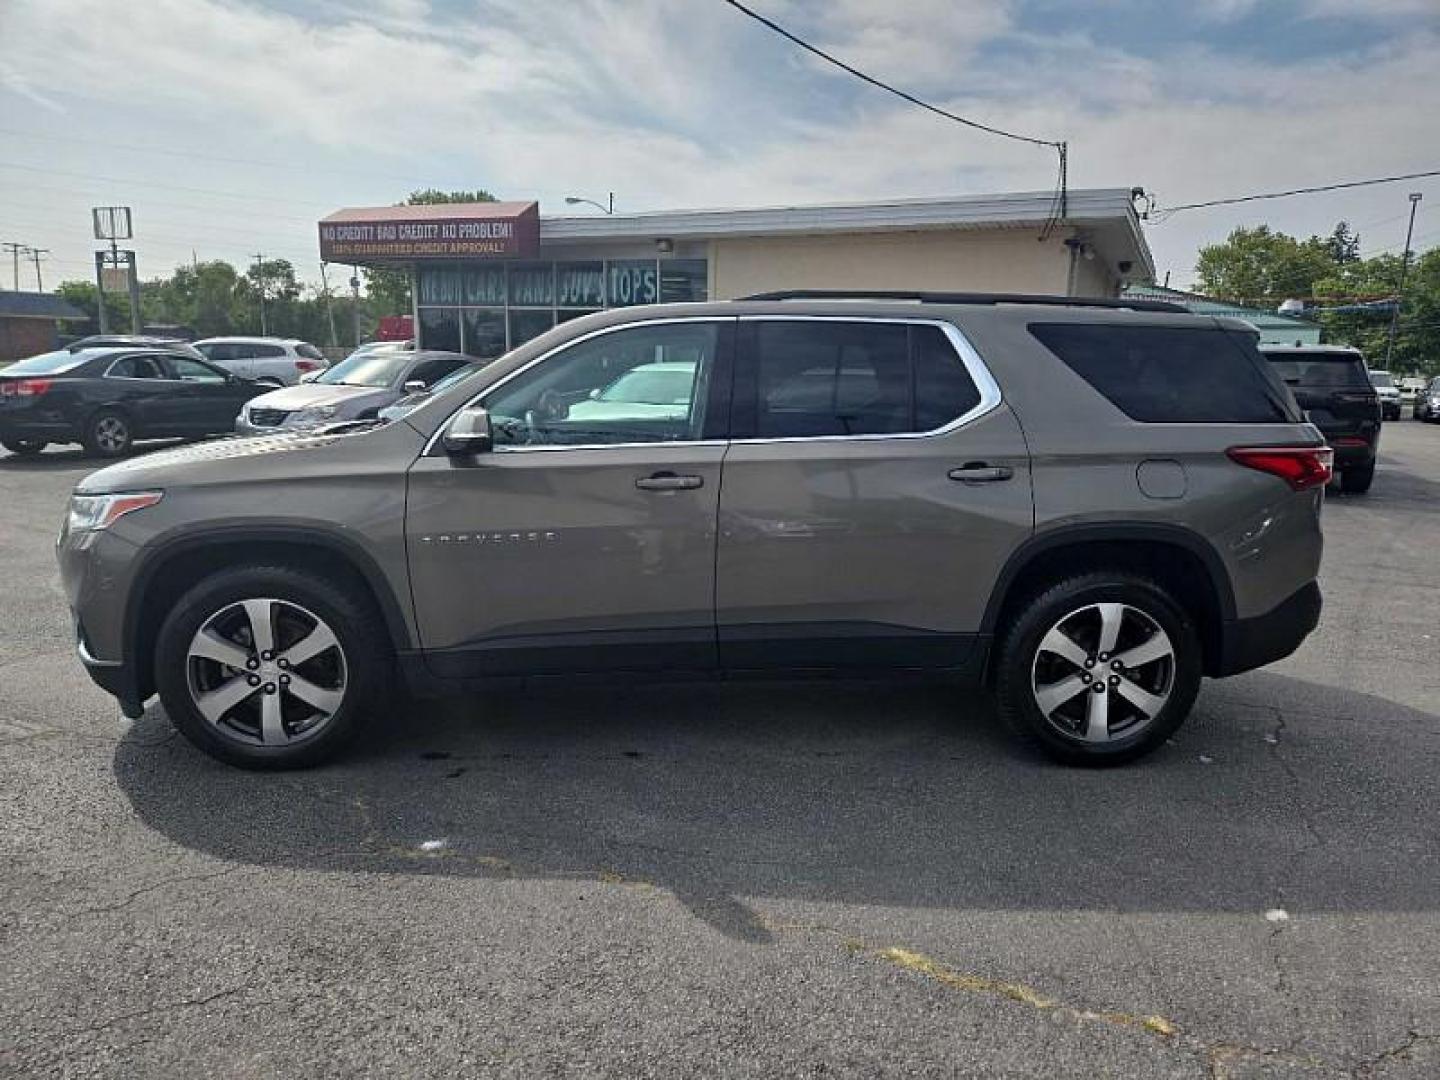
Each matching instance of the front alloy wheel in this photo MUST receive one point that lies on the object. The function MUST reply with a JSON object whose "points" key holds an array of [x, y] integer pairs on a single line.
{"points": [[266, 672], [1103, 672]]}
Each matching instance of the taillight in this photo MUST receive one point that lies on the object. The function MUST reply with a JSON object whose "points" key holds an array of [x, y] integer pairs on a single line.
{"points": [[24, 387], [305, 365], [1299, 466], [1348, 441]]}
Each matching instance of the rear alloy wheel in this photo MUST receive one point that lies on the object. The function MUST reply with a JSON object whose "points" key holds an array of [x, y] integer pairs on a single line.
{"points": [[108, 434], [1357, 481], [24, 447], [267, 668], [1099, 668]]}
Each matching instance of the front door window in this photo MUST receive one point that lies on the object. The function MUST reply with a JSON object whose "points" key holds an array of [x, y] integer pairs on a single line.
{"points": [[638, 385]]}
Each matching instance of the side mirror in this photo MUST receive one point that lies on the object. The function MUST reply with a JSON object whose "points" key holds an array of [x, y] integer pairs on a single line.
{"points": [[414, 386], [469, 433], [594, 395]]}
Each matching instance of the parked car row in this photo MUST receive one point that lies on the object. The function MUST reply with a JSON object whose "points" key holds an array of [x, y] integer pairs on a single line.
{"points": [[105, 392], [1427, 402]]}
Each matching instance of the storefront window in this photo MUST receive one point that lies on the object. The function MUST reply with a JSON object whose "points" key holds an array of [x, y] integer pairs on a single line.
{"points": [[484, 284], [525, 325], [502, 304], [484, 332], [631, 281], [580, 284], [532, 284], [439, 286], [683, 280], [440, 328]]}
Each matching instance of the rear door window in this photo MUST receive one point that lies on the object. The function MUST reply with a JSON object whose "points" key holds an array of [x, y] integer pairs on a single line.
{"points": [[1171, 375], [825, 377]]}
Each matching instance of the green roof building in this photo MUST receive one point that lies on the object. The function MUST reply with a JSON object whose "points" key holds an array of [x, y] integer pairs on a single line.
{"points": [[1275, 329]]}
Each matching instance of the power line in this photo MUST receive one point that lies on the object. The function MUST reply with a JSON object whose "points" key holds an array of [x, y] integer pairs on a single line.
{"points": [[151, 184], [1159, 216], [777, 28]]}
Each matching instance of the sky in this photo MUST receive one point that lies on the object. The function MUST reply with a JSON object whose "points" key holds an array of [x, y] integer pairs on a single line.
{"points": [[232, 126]]}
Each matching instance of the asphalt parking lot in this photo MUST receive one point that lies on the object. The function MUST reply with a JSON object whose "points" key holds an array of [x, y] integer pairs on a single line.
{"points": [[740, 880]]}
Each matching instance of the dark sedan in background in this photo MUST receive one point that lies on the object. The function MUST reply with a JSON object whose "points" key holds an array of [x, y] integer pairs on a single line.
{"points": [[1427, 402], [357, 388], [105, 398]]}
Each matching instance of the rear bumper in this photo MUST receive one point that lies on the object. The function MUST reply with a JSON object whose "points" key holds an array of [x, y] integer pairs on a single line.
{"points": [[1246, 644]]}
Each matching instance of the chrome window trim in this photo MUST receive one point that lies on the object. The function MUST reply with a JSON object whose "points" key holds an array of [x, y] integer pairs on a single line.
{"points": [[990, 395], [440, 431]]}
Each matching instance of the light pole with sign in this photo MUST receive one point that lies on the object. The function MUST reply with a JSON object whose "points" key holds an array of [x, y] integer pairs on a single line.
{"points": [[115, 268]]}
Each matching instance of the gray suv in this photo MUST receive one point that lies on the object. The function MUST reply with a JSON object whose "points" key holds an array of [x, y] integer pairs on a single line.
{"points": [[1086, 505]]}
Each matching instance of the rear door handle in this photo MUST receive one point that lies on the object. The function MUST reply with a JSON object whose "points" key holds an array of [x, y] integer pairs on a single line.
{"points": [[977, 472], [668, 481]]}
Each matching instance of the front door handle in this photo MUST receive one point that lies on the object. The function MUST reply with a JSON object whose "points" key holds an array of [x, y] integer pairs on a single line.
{"points": [[977, 472], [668, 481]]}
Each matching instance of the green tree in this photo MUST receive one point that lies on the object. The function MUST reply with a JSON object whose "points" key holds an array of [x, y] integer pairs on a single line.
{"points": [[1354, 310], [389, 289], [1262, 267], [1343, 244], [84, 296]]}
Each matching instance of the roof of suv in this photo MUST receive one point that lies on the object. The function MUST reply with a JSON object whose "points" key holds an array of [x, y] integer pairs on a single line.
{"points": [[244, 339]]}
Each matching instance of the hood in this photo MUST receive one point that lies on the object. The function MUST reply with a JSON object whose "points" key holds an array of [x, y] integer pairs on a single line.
{"points": [[279, 457], [314, 395]]}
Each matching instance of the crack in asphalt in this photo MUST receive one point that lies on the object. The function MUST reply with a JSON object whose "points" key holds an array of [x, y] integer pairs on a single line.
{"points": [[165, 883], [1402, 1049]]}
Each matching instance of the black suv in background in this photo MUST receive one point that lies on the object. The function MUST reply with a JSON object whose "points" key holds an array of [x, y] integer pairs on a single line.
{"points": [[1333, 387]]}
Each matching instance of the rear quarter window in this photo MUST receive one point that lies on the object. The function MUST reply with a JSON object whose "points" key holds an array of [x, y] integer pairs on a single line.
{"points": [[1171, 375]]}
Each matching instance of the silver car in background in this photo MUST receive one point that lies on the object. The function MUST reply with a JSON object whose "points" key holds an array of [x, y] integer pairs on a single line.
{"points": [[357, 388]]}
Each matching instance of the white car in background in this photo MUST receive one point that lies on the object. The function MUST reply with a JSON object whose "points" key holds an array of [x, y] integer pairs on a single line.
{"points": [[1387, 392], [276, 361]]}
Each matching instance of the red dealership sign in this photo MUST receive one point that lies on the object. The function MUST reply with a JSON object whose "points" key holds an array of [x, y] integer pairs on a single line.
{"points": [[444, 231]]}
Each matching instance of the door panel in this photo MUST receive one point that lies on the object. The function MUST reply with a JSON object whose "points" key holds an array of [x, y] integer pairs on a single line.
{"points": [[535, 561], [839, 552], [202, 398]]}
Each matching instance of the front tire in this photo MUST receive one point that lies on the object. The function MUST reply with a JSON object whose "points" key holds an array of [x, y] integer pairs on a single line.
{"points": [[108, 434], [24, 447], [266, 667], [1098, 669], [1357, 481]]}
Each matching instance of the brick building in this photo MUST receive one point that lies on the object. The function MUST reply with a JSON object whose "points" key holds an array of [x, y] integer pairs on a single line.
{"points": [[29, 323]]}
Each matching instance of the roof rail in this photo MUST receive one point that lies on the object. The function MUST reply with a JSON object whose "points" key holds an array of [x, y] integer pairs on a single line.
{"points": [[966, 298]]}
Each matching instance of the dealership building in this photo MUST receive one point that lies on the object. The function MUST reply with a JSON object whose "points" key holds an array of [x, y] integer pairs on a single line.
{"points": [[488, 276]]}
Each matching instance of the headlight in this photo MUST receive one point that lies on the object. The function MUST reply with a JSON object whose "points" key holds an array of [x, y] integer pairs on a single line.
{"points": [[100, 511], [314, 415]]}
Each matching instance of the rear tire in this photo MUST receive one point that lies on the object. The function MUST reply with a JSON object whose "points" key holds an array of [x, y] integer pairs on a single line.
{"points": [[1357, 481], [24, 447], [108, 434], [274, 713], [1049, 697]]}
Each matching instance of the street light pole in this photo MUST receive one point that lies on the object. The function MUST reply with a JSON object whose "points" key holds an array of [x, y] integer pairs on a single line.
{"points": [[575, 200], [1415, 197]]}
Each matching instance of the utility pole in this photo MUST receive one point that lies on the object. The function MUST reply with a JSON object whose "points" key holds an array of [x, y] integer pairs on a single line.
{"points": [[15, 250], [355, 301], [1415, 197], [35, 254], [329, 308], [260, 284]]}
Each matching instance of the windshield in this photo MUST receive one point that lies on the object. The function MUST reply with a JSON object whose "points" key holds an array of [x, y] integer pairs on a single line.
{"points": [[367, 369], [1321, 369], [652, 386], [1381, 378], [50, 363]]}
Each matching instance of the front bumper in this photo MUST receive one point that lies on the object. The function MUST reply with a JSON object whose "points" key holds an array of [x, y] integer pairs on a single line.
{"points": [[1246, 644], [115, 678]]}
